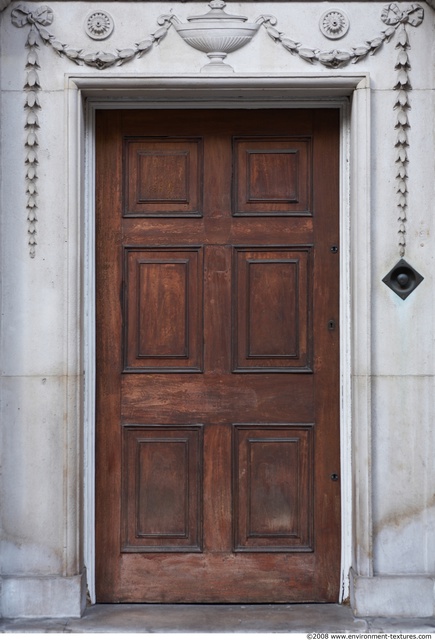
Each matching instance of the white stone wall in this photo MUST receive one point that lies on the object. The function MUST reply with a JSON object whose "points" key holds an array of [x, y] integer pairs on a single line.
{"points": [[42, 301]]}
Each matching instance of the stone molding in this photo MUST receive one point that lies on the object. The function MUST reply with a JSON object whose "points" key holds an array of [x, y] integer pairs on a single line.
{"points": [[259, 91], [5, 3]]}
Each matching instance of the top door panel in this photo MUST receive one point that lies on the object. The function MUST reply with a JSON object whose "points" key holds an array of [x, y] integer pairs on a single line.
{"points": [[163, 177], [272, 176]]}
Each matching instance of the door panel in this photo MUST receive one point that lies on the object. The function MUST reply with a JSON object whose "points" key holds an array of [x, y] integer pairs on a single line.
{"points": [[272, 176], [271, 304], [162, 483], [163, 309], [273, 488], [217, 356], [163, 177]]}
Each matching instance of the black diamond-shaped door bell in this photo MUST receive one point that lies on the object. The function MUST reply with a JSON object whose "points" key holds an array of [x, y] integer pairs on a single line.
{"points": [[403, 279]]}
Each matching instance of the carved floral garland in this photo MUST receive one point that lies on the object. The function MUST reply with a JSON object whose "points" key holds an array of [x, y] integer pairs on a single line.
{"points": [[39, 19], [415, 18], [395, 19]]}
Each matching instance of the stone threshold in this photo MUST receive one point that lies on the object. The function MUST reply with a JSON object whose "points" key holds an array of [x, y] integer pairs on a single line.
{"points": [[225, 618]]}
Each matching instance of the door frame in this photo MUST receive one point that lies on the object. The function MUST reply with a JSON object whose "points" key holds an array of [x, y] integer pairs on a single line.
{"points": [[350, 93]]}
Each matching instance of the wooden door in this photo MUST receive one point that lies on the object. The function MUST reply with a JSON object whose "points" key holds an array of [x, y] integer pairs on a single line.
{"points": [[217, 356]]}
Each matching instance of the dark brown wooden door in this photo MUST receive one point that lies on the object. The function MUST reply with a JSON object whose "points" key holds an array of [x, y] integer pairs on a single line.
{"points": [[217, 350]]}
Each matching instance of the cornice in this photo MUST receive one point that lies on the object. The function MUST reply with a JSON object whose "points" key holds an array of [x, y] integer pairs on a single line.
{"points": [[5, 3]]}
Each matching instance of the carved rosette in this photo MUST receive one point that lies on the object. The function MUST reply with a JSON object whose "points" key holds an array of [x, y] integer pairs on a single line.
{"points": [[334, 24], [99, 25]]}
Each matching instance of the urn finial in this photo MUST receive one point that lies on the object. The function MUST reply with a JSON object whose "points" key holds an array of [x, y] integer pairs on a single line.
{"points": [[217, 33]]}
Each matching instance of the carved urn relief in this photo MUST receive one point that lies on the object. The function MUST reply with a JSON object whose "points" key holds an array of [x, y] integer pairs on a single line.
{"points": [[217, 33]]}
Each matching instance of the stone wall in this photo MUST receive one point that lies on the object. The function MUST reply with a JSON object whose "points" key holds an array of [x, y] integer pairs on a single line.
{"points": [[389, 508]]}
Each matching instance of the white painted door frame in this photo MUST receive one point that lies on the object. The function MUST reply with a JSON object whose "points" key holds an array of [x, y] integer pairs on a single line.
{"points": [[88, 92]]}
